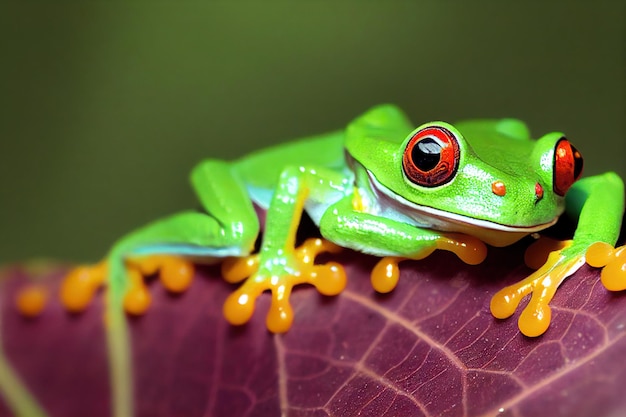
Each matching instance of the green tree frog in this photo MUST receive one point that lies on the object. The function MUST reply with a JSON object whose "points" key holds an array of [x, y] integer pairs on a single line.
{"points": [[382, 187]]}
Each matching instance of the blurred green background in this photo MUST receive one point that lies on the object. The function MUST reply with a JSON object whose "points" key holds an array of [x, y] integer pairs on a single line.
{"points": [[107, 106]]}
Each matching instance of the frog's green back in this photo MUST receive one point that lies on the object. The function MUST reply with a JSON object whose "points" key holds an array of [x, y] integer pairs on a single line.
{"points": [[262, 168], [383, 128]]}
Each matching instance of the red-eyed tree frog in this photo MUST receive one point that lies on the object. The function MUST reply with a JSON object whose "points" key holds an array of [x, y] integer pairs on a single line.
{"points": [[380, 186]]}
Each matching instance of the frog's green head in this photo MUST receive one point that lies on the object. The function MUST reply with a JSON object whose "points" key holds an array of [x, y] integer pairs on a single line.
{"points": [[482, 177]]}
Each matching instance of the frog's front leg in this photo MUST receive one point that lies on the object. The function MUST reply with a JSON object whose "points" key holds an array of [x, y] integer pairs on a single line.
{"points": [[598, 202], [279, 265], [563, 261], [349, 225], [613, 263]]}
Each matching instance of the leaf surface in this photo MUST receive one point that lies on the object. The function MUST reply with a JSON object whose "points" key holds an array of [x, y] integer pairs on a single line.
{"points": [[429, 348]]}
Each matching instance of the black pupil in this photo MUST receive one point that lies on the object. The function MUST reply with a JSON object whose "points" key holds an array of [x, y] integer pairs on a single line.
{"points": [[426, 154]]}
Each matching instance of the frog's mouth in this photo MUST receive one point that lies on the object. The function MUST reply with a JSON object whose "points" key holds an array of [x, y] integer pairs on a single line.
{"points": [[396, 207]]}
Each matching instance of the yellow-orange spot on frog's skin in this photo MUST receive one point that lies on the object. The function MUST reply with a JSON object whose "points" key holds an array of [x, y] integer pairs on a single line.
{"points": [[537, 253], [386, 274], [80, 285], [469, 249], [498, 188], [613, 263], [329, 279], [32, 300], [543, 283]]}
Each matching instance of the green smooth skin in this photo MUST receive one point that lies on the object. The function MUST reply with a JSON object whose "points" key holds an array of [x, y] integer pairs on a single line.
{"points": [[321, 174]]}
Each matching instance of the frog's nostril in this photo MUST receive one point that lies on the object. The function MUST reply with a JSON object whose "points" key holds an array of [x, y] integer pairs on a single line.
{"points": [[538, 192], [498, 188]]}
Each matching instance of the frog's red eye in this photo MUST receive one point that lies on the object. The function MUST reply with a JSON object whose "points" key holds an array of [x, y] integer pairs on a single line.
{"points": [[568, 166], [431, 157]]}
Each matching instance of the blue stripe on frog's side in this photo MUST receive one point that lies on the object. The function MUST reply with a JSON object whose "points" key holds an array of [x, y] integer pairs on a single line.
{"points": [[187, 251]]}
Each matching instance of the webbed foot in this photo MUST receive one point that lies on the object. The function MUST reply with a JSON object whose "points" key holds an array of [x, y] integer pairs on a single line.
{"points": [[543, 283], [471, 250], [279, 274], [613, 263], [82, 283], [77, 290], [31, 300], [175, 273]]}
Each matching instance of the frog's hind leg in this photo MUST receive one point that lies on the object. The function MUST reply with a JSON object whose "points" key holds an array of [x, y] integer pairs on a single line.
{"points": [[163, 246], [228, 228]]}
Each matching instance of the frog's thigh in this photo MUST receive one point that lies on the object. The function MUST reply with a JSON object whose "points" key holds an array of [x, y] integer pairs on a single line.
{"points": [[225, 197], [187, 234], [161, 246]]}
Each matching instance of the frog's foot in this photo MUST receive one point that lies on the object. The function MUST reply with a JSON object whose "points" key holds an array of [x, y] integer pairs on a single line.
{"points": [[329, 279], [537, 253], [80, 286], [471, 250], [613, 263], [386, 273], [543, 283], [31, 300], [175, 273], [77, 290]]}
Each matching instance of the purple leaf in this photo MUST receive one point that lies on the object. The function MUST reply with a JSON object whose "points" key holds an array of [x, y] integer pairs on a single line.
{"points": [[430, 348]]}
